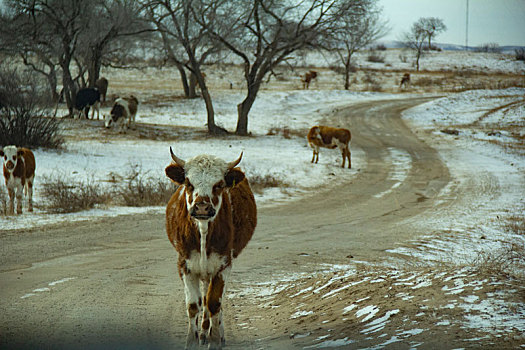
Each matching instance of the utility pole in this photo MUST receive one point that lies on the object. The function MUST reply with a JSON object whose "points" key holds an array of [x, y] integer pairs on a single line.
{"points": [[466, 30]]}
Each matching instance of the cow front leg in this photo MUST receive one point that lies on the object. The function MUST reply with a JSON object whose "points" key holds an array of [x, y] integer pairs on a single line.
{"points": [[214, 308], [193, 307], [11, 204], [205, 322]]}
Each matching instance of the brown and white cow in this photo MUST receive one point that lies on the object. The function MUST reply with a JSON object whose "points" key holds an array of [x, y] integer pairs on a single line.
{"points": [[308, 77], [123, 113], [405, 80], [209, 220], [19, 174], [328, 137]]}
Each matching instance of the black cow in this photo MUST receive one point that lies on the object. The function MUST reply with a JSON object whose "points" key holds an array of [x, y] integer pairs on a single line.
{"points": [[86, 98]]}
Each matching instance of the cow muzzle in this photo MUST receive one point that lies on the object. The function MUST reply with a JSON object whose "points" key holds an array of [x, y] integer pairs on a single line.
{"points": [[202, 211], [10, 165]]}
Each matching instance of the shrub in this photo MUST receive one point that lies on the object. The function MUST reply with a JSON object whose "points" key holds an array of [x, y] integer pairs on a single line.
{"points": [[63, 195], [489, 47], [140, 190], [520, 54], [259, 182], [23, 107], [381, 47], [376, 57]]}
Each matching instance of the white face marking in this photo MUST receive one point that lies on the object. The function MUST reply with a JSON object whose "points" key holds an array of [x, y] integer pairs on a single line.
{"points": [[203, 172], [10, 158]]}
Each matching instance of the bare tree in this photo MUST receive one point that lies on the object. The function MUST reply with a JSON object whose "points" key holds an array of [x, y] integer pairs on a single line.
{"points": [[432, 26], [20, 36], [358, 26], [176, 20], [110, 21], [264, 33], [415, 39]]}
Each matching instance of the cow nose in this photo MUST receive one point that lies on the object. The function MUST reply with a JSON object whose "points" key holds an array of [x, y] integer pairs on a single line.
{"points": [[10, 165], [202, 210]]}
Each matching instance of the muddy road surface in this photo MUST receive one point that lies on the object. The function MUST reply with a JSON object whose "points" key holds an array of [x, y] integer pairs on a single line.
{"points": [[112, 282]]}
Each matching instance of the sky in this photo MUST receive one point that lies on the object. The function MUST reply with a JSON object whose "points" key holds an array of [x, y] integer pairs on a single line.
{"points": [[490, 21]]}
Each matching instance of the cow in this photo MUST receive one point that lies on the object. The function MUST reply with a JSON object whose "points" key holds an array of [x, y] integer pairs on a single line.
{"points": [[86, 98], [102, 86], [405, 80], [209, 220], [308, 77], [328, 137], [19, 174], [123, 112]]}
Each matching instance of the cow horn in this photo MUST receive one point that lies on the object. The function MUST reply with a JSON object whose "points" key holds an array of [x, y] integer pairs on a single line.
{"points": [[232, 165], [177, 159]]}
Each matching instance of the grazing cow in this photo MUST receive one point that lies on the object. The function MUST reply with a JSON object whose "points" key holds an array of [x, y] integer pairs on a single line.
{"points": [[328, 137], [19, 173], [123, 112], [405, 80], [308, 77], [209, 220], [102, 86], [86, 98]]}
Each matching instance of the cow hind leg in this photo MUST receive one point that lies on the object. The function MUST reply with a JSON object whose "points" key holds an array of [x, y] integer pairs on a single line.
{"points": [[349, 156], [193, 297], [29, 193]]}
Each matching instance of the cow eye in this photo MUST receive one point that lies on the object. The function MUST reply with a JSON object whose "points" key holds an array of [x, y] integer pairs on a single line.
{"points": [[188, 185], [219, 185]]}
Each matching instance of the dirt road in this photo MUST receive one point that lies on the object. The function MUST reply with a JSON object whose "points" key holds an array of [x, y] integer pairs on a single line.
{"points": [[112, 283]]}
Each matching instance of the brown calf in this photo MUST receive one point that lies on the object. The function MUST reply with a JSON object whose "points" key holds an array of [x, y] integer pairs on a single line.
{"points": [[308, 77], [209, 220], [19, 174], [328, 137], [102, 85], [405, 80]]}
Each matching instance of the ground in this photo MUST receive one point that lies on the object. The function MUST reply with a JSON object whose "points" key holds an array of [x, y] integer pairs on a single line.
{"points": [[344, 265]]}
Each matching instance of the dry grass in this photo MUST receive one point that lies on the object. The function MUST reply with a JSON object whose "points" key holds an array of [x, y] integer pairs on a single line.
{"points": [[259, 183], [509, 260], [141, 189], [62, 195], [3, 201]]}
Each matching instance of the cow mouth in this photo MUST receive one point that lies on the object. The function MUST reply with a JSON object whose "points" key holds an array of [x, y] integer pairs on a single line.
{"points": [[201, 215]]}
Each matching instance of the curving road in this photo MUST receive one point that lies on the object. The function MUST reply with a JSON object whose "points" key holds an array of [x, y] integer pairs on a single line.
{"points": [[113, 282]]}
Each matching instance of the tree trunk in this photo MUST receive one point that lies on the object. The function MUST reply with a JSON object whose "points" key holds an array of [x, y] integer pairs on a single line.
{"points": [[94, 66], [212, 128], [192, 93], [183, 79], [67, 82], [347, 73], [52, 81], [243, 109], [417, 59]]}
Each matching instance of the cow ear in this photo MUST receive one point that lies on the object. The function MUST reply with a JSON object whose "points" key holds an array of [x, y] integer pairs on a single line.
{"points": [[176, 173], [20, 152], [1, 153], [233, 177]]}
